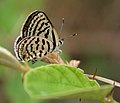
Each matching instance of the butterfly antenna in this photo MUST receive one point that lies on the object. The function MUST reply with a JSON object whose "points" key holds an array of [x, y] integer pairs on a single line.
{"points": [[73, 35], [61, 28]]}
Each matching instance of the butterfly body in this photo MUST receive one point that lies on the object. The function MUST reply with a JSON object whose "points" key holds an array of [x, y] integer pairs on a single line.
{"points": [[37, 38]]}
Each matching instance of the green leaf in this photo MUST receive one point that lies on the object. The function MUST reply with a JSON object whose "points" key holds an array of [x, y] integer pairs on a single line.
{"points": [[62, 81]]}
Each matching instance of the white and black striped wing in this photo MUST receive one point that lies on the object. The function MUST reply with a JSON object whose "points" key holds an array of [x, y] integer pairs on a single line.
{"points": [[33, 48], [38, 24]]}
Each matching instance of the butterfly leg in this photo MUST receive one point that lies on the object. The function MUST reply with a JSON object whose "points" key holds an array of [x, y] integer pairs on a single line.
{"points": [[58, 51], [34, 60]]}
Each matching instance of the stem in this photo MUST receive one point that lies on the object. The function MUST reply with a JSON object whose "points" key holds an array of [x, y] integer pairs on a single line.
{"points": [[11, 64], [7, 59], [109, 81]]}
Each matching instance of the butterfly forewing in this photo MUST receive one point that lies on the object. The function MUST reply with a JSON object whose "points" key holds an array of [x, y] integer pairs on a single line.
{"points": [[38, 24], [37, 38]]}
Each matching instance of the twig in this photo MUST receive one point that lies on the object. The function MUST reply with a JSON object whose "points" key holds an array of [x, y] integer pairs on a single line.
{"points": [[109, 81]]}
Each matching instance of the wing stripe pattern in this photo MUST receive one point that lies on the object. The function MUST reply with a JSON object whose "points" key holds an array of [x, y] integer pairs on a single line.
{"points": [[41, 26], [27, 23], [37, 25], [48, 46], [28, 47], [32, 25], [18, 40], [54, 40], [37, 46], [43, 41], [42, 30], [31, 46], [47, 33]]}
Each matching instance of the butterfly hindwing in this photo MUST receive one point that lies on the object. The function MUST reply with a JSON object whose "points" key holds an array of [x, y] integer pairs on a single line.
{"points": [[34, 47]]}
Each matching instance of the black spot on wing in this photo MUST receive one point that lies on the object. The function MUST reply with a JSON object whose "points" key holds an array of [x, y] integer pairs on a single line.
{"points": [[22, 46], [36, 42], [25, 41], [46, 23], [38, 39], [23, 56], [31, 46], [54, 40], [29, 37], [45, 53], [43, 41], [40, 53], [48, 46], [37, 46], [47, 34], [34, 53], [42, 47]]}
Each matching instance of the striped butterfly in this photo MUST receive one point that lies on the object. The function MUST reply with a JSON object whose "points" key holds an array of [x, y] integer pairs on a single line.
{"points": [[37, 38]]}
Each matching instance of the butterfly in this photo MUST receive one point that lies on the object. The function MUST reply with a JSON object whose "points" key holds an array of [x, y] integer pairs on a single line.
{"points": [[37, 38]]}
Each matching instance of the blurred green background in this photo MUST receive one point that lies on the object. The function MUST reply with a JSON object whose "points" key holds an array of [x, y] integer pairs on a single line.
{"points": [[97, 45]]}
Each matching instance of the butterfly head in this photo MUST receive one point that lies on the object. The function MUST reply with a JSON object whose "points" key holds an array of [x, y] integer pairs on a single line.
{"points": [[61, 41]]}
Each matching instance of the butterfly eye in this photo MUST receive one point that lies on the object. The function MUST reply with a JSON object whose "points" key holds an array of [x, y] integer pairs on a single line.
{"points": [[61, 41]]}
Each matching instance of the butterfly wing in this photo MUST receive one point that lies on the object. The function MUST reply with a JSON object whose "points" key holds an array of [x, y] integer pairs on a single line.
{"points": [[38, 24], [33, 48]]}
